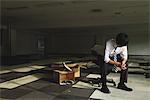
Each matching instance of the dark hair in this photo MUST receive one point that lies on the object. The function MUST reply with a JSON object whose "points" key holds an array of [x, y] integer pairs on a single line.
{"points": [[122, 39]]}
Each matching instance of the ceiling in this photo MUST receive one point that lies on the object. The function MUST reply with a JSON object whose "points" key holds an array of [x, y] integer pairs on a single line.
{"points": [[35, 14]]}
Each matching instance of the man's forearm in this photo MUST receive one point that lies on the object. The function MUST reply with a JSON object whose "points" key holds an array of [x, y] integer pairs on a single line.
{"points": [[114, 63], [123, 65], [124, 61]]}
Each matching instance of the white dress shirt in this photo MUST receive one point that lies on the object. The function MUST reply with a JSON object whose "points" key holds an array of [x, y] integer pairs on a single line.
{"points": [[112, 49]]}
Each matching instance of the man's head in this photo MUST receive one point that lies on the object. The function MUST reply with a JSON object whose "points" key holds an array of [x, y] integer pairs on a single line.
{"points": [[122, 39]]}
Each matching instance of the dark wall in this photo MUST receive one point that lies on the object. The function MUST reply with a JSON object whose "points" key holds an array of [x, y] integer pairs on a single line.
{"points": [[79, 40]]}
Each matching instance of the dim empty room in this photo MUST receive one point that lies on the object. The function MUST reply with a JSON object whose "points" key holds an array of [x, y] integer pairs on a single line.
{"points": [[74, 50]]}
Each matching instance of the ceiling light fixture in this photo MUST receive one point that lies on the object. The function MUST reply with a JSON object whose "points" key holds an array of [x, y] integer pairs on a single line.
{"points": [[117, 13], [96, 10]]}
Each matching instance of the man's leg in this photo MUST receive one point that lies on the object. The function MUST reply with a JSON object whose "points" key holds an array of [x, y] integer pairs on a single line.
{"points": [[124, 73], [124, 76], [106, 69], [123, 79]]}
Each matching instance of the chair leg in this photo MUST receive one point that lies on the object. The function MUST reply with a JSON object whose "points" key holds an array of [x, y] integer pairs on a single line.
{"points": [[114, 83], [99, 84], [111, 81]]}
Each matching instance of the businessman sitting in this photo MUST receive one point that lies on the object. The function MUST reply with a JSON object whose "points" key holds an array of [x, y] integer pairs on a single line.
{"points": [[115, 57]]}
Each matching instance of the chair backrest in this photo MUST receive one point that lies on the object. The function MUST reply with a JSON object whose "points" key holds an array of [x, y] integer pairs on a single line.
{"points": [[97, 49]]}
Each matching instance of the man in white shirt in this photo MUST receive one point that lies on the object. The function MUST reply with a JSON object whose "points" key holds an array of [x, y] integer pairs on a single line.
{"points": [[116, 55]]}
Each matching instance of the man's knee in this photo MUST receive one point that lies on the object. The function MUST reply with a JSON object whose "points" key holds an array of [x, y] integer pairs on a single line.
{"points": [[108, 68]]}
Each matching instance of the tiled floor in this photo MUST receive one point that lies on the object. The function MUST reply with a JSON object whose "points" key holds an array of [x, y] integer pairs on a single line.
{"points": [[42, 89], [45, 89], [139, 84]]}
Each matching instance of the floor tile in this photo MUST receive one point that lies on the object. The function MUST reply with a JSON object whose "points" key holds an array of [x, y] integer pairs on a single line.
{"points": [[70, 97], [78, 92], [12, 75], [38, 84], [37, 95], [14, 93], [54, 89]]}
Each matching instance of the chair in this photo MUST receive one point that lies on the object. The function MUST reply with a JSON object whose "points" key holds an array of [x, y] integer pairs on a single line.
{"points": [[99, 61], [98, 80]]}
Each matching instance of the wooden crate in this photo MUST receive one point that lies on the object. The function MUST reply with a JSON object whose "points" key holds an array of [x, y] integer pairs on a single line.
{"points": [[60, 76], [74, 67], [76, 71]]}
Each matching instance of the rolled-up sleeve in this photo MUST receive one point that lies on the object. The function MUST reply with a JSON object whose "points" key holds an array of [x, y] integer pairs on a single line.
{"points": [[125, 52], [107, 52]]}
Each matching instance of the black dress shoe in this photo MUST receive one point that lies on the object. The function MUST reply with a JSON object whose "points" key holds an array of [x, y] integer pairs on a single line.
{"points": [[124, 87], [104, 89]]}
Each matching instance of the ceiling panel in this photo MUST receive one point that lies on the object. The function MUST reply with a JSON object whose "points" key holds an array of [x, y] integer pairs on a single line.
{"points": [[73, 13]]}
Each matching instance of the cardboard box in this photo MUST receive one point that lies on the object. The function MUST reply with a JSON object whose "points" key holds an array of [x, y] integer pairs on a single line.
{"points": [[74, 67], [61, 73], [60, 76]]}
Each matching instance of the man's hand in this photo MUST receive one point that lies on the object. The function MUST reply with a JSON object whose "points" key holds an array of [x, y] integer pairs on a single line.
{"points": [[118, 64], [123, 66]]}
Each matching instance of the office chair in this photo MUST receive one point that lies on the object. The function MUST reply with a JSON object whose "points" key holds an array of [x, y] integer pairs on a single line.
{"points": [[99, 62]]}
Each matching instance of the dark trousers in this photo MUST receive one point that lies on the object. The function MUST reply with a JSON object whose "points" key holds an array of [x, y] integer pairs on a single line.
{"points": [[107, 68]]}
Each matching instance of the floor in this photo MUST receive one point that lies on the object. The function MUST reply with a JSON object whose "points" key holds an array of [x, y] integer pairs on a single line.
{"points": [[35, 83], [139, 84], [45, 89]]}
